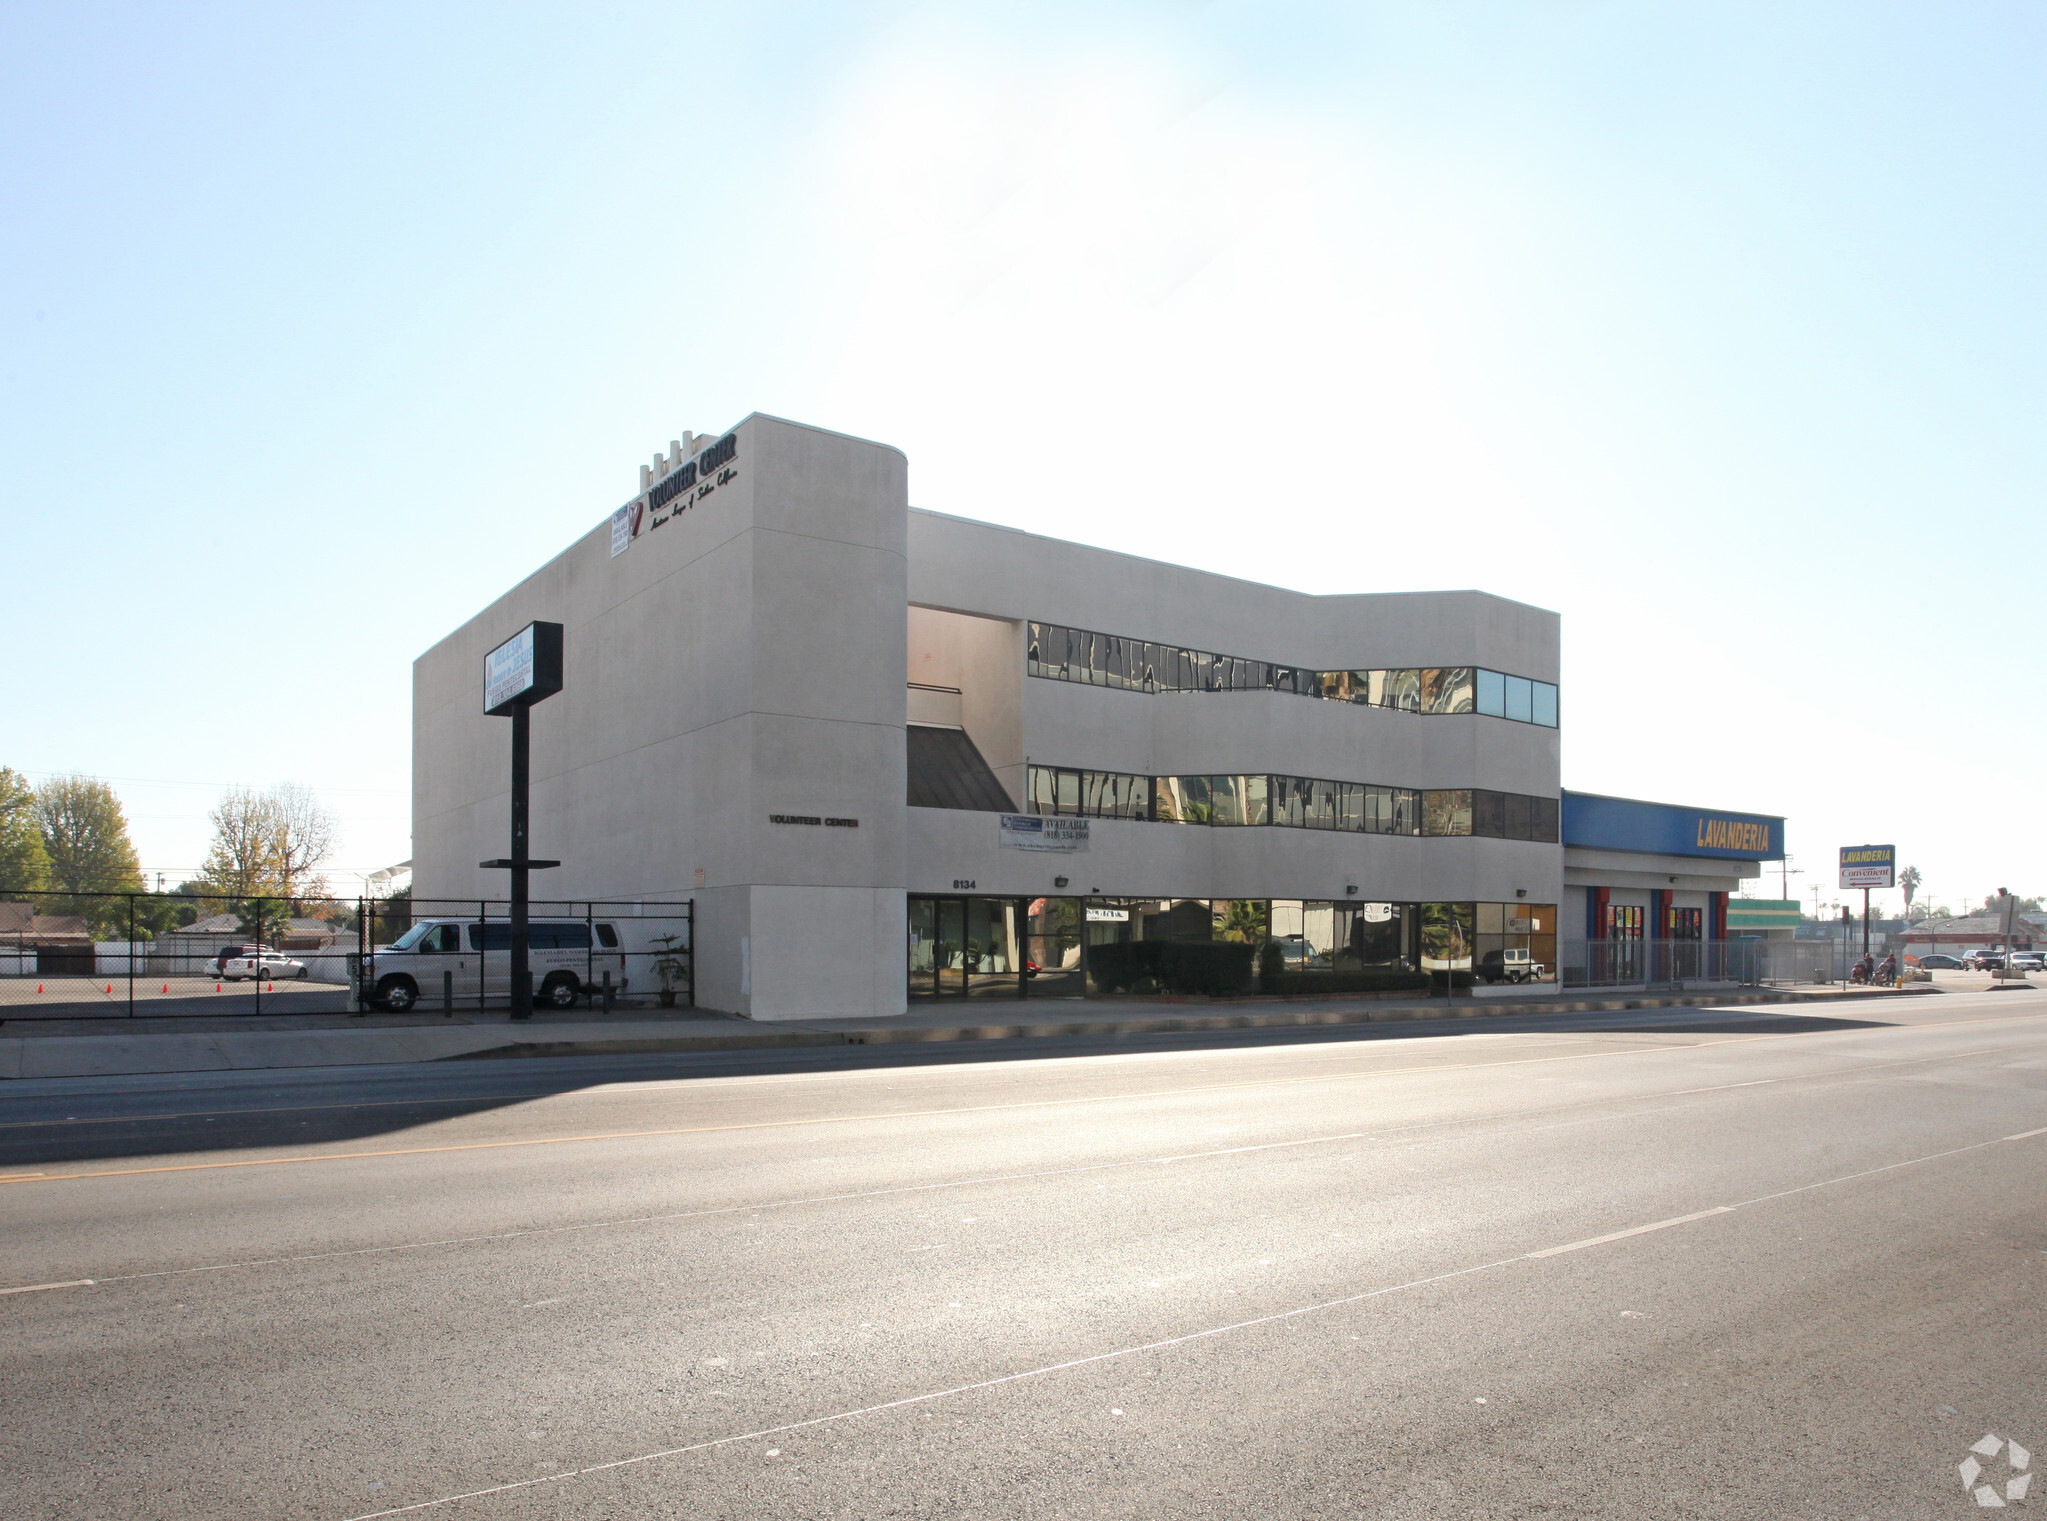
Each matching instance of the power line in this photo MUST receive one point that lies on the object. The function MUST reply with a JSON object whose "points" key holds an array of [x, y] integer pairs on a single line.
{"points": [[164, 781]]}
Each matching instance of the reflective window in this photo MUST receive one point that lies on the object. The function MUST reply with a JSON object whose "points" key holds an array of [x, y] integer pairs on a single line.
{"points": [[1447, 812], [1491, 694], [1059, 653], [1446, 689], [1089, 794], [1238, 800], [1396, 689], [1448, 931], [1515, 942], [1181, 799], [1242, 920]]}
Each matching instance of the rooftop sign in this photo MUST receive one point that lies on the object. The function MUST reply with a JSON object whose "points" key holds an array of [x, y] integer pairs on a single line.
{"points": [[1592, 822], [681, 487]]}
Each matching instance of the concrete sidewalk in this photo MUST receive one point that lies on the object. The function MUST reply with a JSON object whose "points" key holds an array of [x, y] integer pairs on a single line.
{"points": [[88, 1048]]}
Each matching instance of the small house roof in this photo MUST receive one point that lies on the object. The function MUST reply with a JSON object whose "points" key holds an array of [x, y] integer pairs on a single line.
{"points": [[21, 922]]}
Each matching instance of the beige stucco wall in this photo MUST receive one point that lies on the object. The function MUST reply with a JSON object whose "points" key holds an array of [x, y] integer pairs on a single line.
{"points": [[743, 660]]}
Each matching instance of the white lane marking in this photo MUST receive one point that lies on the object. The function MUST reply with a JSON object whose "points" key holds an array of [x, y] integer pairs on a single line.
{"points": [[1380, 1132], [2027, 1135], [538, 1303], [939, 1394], [1639, 1230], [34, 1288], [1157, 1346]]}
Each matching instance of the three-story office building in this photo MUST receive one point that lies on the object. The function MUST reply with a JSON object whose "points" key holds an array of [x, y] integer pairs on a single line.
{"points": [[895, 754]]}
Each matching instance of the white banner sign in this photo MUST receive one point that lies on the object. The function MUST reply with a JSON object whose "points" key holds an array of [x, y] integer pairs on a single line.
{"points": [[1025, 832], [625, 525], [508, 669], [1108, 915]]}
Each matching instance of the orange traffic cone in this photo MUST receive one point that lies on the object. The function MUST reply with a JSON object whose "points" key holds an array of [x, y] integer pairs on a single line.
{"points": [[270, 987], [110, 990], [167, 987], [216, 987], [39, 987]]}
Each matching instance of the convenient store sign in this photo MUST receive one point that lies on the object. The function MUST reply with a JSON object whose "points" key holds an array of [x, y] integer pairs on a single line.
{"points": [[1869, 866]]}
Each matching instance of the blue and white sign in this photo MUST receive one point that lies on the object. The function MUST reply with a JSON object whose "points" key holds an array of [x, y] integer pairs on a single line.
{"points": [[1022, 831], [1665, 829], [525, 669]]}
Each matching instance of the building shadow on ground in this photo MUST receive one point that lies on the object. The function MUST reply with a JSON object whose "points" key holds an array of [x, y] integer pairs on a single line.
{"points": [[54, 1123]]}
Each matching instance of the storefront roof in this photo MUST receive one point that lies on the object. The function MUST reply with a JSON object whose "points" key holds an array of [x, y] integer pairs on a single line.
{"points": [[1595, 822]]}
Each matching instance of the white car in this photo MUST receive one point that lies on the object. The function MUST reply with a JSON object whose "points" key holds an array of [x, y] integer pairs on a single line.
{"points": [[2027, 961], [1510, 965], [264, 966]]}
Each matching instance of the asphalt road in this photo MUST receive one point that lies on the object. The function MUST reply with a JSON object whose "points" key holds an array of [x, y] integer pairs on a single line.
{"points": [[1697, 1263]]}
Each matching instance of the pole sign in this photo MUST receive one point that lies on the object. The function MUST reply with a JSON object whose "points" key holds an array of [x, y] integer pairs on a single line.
{"points": [[1869, 866], [525, 669]]}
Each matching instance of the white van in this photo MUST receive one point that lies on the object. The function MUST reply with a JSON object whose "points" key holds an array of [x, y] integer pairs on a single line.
{"points": [[468, 957]]}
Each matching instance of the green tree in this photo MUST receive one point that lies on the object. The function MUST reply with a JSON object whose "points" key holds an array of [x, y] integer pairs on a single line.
{"points": [[2024, 906], [24, 863], [85, 835], [1908, 882], [269, 844]]}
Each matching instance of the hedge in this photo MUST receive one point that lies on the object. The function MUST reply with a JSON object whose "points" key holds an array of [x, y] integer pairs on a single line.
{"points": [[1369, 980], [1210, 966]]}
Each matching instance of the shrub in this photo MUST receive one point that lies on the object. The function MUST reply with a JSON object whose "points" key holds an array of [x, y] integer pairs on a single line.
{"points": [[1116, 968], [1271, 966], [1212, 967], [1369, 980]]}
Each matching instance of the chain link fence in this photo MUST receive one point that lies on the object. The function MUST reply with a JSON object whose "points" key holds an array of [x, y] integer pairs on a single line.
{"points": [[150, 955], [1674, 964], [1661, 963]]}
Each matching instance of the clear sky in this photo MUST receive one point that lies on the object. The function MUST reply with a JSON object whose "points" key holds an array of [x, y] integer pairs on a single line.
{"points": [[1715, 327]]}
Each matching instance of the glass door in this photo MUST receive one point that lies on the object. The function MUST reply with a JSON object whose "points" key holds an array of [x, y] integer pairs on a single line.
{"points": [[938, 947], [923, 947]]}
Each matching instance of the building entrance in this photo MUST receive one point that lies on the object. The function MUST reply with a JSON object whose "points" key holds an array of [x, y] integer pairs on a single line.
{"points": [[967, 947]]}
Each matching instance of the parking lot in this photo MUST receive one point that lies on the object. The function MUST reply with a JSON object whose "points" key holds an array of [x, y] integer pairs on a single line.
{"points": [[107, 997]]}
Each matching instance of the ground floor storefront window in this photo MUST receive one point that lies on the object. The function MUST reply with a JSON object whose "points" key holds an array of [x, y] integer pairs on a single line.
{"points": [[967, 947], [979, 947], [1516, 942]]}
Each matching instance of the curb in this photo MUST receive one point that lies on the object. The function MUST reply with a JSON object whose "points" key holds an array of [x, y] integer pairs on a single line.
{"points": [[1469, 1009]]}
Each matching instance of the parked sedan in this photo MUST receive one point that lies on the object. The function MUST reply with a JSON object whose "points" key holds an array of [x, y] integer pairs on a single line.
{"points": [[1941, 961], [1984, 961], [264, 966], [2027, 961]]}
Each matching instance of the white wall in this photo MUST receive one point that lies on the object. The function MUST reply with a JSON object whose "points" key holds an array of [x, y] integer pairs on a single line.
{"points": [[743, 660], [994, 572], [984, 658]]}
